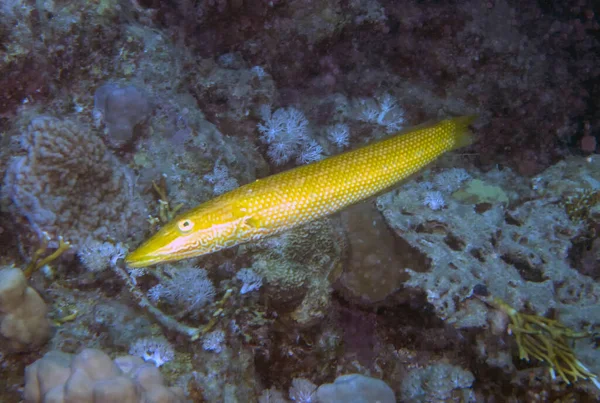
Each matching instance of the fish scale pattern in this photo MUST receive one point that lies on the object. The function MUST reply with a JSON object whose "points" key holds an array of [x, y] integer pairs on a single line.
{"points": [[312, 191], [274, 204]]}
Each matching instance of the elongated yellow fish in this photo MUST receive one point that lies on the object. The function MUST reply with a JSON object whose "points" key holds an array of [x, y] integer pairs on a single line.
{"points": [[279, 202]]}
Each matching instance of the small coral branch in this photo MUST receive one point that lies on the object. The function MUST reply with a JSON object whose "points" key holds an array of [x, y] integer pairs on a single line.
{"points": [[165, 212], [37, 262], [547, 340], [578, 206], [217, 313], [194, 333], [165, 320]]}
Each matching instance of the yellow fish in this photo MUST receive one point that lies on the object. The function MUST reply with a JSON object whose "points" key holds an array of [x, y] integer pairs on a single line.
{"points": [[279, 202]]}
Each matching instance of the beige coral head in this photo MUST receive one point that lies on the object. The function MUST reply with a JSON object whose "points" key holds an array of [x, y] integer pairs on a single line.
{"points": [[23, 322], [92, 377]]}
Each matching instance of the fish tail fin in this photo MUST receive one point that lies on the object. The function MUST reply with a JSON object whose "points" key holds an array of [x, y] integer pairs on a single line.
{"points": [[461, 134]]}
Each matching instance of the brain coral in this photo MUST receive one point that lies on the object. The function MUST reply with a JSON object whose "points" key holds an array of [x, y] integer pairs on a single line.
{"points": [[68, 184]]}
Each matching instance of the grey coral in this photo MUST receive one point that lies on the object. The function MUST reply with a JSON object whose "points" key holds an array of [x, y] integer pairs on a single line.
{"points": [[438, 382], [122, 108]]}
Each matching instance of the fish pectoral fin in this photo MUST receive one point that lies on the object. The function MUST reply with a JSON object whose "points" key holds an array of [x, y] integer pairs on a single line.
{"points": [[247, 220], [251, 221]]}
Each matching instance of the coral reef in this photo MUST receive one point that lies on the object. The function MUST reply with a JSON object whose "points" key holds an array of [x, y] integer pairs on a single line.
{"points": [[514, 246], [298, 267], [520, 253], [115, 116], [438, 382], [438, 58]]}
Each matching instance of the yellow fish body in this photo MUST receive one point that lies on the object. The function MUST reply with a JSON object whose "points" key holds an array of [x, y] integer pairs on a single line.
{"points": [[279, 202]]}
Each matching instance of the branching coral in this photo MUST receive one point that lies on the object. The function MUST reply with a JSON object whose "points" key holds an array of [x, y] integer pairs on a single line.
{"points": [[170, 322], [37, 262], [166, 212], [578, 206], [547, 340]]}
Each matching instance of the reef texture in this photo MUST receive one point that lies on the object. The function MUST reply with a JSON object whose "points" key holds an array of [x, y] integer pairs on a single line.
{"points": [[518, 249], [116, 115]]}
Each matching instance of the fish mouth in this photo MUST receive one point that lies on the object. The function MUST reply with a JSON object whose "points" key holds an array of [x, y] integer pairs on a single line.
{"points": [[137, 259], [149, 255], [157, 249]]}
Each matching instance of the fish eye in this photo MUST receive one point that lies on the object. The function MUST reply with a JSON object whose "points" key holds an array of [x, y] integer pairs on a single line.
{"points": [[185, 225]]}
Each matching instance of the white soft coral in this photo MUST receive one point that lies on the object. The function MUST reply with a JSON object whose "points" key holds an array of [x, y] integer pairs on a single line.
{"points": [[383, 111], [157, 351], [287, 134]]}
